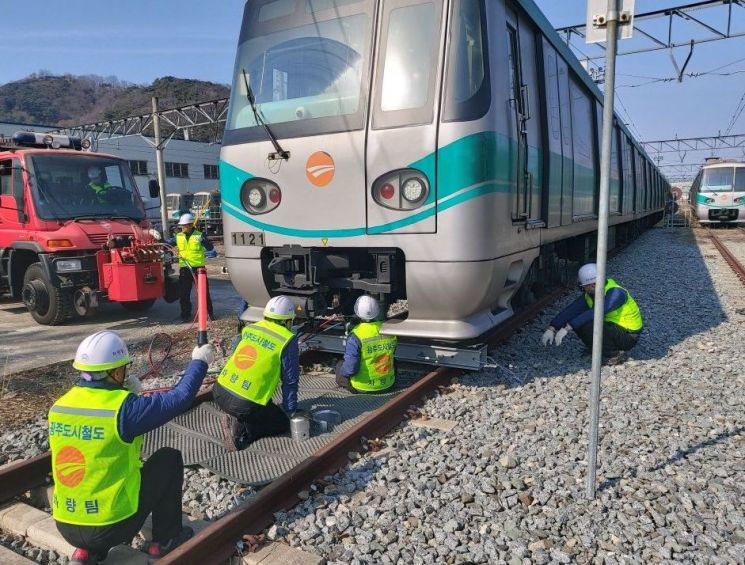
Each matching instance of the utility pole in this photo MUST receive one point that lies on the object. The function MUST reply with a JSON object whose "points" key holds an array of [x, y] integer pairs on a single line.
{"points": [[160, 165], [610, 21]]}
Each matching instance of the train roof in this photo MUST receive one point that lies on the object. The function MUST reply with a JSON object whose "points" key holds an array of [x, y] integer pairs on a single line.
{"points": [[723, 163]]}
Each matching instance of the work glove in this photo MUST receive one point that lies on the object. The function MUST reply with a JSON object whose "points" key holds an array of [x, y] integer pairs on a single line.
{"points": [[204, 353], [548, 336], [210, 254], [155, 234], [561, 334]]}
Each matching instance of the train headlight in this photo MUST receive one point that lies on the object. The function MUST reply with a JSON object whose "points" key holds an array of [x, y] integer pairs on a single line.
{"points": [[740, 200], [260, 196], [710, 200], [403, 189], [413, 190]]}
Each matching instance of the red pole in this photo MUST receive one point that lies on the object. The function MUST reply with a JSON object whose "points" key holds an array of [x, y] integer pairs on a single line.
{"points": [[202, 305]]}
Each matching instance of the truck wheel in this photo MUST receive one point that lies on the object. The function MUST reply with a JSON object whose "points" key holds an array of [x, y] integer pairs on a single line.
{"points": [[139, 305], [46, 304]]}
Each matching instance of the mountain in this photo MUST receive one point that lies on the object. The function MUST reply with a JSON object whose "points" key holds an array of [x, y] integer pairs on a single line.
{"points": [[65, 100]]}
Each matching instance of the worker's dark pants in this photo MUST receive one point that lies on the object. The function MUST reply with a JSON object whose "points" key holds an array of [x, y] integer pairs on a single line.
{"points": [[186, 281], [252, 421], [160, 494], [615, 338], [346, 384]]}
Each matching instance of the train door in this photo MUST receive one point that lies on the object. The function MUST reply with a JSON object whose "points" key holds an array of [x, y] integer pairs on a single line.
{"points": [[401, 153], [518, 118]]}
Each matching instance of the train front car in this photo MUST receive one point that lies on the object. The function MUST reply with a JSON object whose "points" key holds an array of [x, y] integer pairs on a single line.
{"points": [[355, 159], [718, 193]]}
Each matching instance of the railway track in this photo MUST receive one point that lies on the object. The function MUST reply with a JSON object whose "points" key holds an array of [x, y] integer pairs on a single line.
{"points": [[217, 542], [721, 244]]}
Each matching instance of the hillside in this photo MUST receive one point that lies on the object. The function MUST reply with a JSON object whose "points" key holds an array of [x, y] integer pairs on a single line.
{"points": [[68, 100]]}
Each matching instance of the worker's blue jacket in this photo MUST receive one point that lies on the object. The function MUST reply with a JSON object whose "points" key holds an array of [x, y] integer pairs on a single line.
{"points": [[352, 356], [141, 414], [578, 313]]}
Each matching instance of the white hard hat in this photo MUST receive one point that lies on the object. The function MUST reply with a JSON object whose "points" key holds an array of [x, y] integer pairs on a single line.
{"points": [[367, 308], [186, 219], [279, 308], [100, 352], [588, 274]]}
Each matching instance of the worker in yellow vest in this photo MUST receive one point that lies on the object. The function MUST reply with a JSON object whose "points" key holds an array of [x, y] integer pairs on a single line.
{"points": [[193, 249], [368, 357], [102, 491], [97, 183], [622, 323], [267, 355]]}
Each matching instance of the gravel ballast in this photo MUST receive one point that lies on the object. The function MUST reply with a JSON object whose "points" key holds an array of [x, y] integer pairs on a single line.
{"points": [[508, 483]]}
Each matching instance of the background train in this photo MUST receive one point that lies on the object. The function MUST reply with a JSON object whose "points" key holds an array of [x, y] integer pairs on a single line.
{"points": [[718, 193], [442, 152]]}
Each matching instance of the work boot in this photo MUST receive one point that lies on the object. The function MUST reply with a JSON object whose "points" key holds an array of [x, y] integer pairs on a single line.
{"points": [[155, 550], [226, 426], [84, 557], [616, 358]]}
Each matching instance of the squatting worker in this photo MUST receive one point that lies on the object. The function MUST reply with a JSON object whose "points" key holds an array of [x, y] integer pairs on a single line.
{"points": [[368, 358], [622, 323], [102, 491], [267, 354], [192, 246]]}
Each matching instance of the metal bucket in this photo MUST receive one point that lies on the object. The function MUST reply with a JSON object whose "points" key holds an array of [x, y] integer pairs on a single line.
{"points": [[326, 419], [300, 428]]}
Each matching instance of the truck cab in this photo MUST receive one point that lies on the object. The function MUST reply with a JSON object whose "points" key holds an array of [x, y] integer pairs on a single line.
{"points": [[59, 206]]}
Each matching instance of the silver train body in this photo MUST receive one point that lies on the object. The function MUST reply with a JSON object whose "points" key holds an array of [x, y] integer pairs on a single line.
{"points": [[440, 151], [718, 193]]}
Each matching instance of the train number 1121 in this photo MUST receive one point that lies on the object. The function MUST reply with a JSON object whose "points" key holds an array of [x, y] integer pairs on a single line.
{"points": [[254, 238]]}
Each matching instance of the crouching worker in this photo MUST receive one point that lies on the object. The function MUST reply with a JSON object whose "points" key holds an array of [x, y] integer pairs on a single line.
{"points": [[622, 323], [267, 353], [102, 491], [368, 358]]}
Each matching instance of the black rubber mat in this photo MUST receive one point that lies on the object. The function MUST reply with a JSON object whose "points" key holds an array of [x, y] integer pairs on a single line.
{"points": [[198, 435]]}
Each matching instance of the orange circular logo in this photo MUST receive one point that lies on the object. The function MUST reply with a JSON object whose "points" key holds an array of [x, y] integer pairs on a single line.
{"points": [[69, 466], [320, 169], [382, 364], [245, 357]]}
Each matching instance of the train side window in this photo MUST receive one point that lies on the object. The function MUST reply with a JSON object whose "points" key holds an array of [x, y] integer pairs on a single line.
{"points": [[739, 179], [468, 93], [410, 56]]}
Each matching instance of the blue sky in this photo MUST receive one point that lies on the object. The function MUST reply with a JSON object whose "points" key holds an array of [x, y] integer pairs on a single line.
{"points": [[139, 40]]}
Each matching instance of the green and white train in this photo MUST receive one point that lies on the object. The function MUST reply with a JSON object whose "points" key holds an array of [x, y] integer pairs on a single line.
{"points": [[445, 152], [718, 193]]}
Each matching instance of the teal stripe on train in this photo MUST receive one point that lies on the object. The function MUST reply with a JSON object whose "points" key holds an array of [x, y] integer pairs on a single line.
{"points": [[469, 168]]}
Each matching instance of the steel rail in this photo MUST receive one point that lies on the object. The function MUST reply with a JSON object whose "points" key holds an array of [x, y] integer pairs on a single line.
{"points": [[217, 542], [732, 261]]}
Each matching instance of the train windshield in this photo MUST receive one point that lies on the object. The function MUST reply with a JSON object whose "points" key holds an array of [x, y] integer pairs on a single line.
{"points": [[306, 63], [719, 179], [68, 186]]}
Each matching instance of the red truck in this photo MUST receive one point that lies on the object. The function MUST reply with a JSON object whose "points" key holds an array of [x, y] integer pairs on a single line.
{"points": [[73, 231]]}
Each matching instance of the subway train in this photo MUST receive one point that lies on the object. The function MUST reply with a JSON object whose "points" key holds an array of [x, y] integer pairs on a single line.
{"points": [[445, 153], [718, 192]]}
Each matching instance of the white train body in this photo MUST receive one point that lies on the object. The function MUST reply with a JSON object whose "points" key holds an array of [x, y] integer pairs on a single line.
{"points": [[437, 150], [718, 193]]}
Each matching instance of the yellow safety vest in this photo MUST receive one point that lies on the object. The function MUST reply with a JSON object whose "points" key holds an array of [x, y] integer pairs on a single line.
{"points": [[100, 188], [96, 473], [190, 249], [376, 361], [627, 316], [254, 369]]}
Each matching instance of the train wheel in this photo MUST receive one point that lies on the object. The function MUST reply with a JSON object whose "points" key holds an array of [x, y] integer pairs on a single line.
{"points": [[47, 305]]}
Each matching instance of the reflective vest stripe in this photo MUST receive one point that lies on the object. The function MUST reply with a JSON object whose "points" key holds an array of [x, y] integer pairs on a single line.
{"points": [[376, 358], [254, 369], [83, 411], [96, 473], [190, 249], [627, 316]]}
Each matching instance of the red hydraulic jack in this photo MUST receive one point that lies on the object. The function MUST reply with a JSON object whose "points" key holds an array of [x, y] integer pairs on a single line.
{"points": [[202, 305]]}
